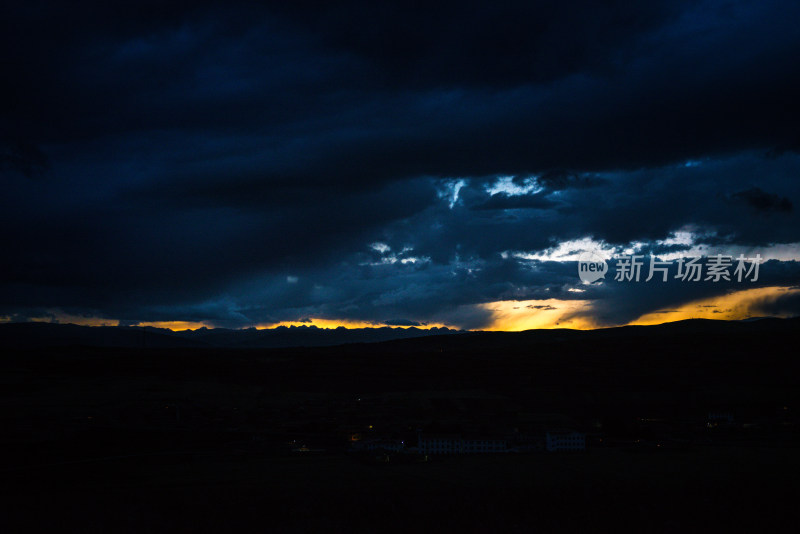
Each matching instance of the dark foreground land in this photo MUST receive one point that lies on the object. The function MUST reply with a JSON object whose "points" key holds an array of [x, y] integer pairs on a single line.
{"points": [[188, 440], [728, 489]]}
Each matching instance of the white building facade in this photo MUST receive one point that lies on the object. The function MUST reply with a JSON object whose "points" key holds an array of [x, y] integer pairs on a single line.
{"points": [[565, 440], [459, 445]]}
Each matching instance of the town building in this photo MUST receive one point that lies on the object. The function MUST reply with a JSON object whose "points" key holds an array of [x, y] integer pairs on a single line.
{"points": [[457, 444], [716, 419], [388, 445], [565, 440]]}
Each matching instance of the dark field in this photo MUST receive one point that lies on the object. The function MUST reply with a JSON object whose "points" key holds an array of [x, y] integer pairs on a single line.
{"points": [[720, 489], [187, 440]]}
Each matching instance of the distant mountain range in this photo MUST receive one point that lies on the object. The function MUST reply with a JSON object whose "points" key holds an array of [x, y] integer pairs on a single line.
{"points": [[39, 335]]}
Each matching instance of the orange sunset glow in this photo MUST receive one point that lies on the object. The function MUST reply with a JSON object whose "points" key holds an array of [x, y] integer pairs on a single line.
{"points": [[736, 305], [509, 315]]}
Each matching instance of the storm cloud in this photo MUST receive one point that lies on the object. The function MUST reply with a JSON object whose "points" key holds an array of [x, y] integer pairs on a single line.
{"points": [[239, 165]]}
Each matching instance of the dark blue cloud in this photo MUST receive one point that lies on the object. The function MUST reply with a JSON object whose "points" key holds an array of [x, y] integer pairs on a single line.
{"points": [[233, 164]]}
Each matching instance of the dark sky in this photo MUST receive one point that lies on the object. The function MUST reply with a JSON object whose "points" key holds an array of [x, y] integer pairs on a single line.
{"points": [[389, 162]]}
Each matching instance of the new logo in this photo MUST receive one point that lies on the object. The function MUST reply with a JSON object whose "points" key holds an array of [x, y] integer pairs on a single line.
{"points": [[591, 267]]}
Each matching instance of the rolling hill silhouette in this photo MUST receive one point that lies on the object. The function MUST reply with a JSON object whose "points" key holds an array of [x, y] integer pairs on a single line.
{"points": [[41, 335]]}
